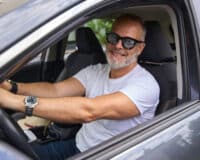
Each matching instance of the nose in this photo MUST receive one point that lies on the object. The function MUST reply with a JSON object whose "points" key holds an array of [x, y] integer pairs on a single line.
{"points": [[119, 44]]}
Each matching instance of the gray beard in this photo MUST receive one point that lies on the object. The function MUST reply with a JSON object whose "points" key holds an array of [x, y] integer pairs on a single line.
{"points": [[127, 61]]}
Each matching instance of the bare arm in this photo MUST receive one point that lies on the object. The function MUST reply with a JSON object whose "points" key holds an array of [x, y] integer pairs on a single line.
{"points": [[69, 87], [76, 109]]}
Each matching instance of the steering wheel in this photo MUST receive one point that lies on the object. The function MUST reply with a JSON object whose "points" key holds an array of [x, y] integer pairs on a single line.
{"points": [[15, 134]]}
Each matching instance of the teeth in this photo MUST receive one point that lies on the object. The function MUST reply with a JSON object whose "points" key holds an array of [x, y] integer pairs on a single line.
{"points": [[116, 52]]}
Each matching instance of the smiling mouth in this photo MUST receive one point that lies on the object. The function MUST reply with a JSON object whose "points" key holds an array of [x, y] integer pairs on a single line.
{"points": [[118, 53]]}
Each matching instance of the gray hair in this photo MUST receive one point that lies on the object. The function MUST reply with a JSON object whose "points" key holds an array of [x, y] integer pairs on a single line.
{"points": [[136, 19]]}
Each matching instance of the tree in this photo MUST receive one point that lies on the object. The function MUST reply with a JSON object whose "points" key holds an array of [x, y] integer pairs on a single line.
{"points": [[100, 27]]}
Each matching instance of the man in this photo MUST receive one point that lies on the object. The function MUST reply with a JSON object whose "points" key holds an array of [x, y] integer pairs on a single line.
{"points": [[118, 95]]}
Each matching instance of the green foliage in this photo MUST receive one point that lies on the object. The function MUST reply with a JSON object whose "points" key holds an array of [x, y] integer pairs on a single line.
{"points": [[100, 28]]}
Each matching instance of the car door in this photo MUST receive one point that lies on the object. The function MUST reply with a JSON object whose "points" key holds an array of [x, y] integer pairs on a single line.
{"points": [[44, 66], [187, 67], [174, 134]]}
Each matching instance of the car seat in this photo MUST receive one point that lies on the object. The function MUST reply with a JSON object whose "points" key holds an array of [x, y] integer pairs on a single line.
{"points": [[89, 51], [159, 60]]}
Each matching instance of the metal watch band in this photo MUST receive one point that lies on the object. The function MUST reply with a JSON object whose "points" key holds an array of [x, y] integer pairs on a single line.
{"points": [[14, 86]]}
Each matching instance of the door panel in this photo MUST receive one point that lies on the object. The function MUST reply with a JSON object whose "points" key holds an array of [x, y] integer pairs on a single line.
{"points": [[179, 141], [171, 135]]}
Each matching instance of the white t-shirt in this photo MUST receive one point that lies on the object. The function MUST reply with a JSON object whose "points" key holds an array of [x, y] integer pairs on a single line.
{"points": [[139, 85]]}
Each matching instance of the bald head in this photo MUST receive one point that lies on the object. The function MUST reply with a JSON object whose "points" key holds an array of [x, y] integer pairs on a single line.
{"points": [[131, 20]]}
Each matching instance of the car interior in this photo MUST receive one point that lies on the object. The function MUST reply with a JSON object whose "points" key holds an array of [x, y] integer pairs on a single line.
{"points": [[161, 57]]}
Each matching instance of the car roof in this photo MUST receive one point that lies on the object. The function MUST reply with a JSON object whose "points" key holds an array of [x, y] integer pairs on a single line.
{"points": [[28, 17], [8, 5]]}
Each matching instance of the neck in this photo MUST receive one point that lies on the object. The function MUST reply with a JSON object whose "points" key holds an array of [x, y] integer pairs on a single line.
{"points": [[116, 73]]}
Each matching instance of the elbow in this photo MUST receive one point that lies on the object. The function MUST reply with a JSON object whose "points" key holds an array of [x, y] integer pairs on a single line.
{"points": [[89, 117], [89, 113]]}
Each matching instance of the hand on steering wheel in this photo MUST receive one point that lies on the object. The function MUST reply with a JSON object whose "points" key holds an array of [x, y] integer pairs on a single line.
{"points": [[15, 134]]}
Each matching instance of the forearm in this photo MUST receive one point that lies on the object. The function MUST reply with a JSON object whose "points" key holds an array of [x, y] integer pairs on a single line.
{"points": [[11, 101], [39, 89], [64, 110], [74, 109], [83, 110], [69, 87]]}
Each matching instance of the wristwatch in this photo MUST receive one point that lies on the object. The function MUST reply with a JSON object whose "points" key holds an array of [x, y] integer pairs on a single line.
{"points": [[30, 103], [14, 86]]}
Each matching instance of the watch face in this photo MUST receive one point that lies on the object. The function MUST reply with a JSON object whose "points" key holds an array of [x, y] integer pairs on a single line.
{"points": [[30, 100]]}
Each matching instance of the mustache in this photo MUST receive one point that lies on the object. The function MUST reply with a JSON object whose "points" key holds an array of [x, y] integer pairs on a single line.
{"points": [[118, 51]]}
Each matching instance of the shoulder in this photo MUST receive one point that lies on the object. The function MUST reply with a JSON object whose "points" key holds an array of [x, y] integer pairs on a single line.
{"points": [[92, 72], [145, 75], [141, 75], [92, 75], [149, 83], [96, 69], [143, 81], [143, 89]]}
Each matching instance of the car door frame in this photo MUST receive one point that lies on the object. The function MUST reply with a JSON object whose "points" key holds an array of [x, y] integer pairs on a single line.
{"points": [[99, 150], [138, 135]]}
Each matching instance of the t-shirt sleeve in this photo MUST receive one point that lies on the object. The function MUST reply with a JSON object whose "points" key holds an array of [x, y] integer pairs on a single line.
{"points": [[82, 76], [87, 75], [144, 95]]}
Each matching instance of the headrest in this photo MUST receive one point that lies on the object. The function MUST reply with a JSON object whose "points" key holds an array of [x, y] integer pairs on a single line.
{"points": [[157, 46], [87, 42]]}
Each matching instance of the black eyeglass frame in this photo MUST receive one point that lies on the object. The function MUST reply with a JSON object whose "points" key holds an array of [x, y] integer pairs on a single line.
{"points": [[123, 39]]}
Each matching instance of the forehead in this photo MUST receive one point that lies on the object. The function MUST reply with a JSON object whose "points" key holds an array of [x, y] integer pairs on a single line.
{"points": [[127, 27]]}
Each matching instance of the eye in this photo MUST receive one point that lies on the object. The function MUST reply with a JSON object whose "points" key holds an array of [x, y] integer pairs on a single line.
{"points": [[112, 38], [129, 43]]}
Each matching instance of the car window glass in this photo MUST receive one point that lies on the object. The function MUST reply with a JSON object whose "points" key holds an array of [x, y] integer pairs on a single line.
{"points": [[71, 43], [36, 59]]}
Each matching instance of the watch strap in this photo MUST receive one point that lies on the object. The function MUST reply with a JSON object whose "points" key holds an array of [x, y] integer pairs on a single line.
{"points": [[28, 111], [14, 86], [30, 103]]}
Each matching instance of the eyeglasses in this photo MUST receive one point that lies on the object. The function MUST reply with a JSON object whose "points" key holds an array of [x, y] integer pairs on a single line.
{"points": [[127, 42]]}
